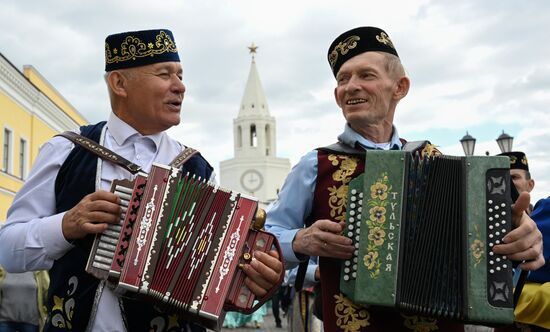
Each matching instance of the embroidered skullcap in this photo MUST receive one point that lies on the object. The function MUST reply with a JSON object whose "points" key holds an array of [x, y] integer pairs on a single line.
{"points": [[355, 42], [518, 160], [139, 48]]}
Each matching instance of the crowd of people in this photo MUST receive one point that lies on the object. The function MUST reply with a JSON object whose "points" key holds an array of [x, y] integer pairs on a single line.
{"points": [[65, 202]]}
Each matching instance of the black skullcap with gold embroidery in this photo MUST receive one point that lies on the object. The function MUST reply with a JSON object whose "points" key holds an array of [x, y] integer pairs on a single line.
{"points": [[518, 160], [139, 48], [355, 42]]}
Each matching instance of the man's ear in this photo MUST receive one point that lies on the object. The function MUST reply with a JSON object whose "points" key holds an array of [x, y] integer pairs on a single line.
{"points": [[403, 85], [117, 83], [336, 98], [531, 184]]}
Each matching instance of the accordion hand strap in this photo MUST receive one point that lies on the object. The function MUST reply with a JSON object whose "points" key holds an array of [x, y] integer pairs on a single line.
{"points": [[261, 301], [113, 157]]}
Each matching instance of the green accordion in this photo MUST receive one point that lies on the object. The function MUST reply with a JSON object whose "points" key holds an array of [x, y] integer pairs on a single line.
{"points": [[423, 229]]}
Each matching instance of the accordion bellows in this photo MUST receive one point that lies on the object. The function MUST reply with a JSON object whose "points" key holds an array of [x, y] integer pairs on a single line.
{"points": [[424, 229], [179, 244]]}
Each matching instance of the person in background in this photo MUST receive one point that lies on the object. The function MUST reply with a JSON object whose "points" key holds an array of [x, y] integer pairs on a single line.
{"points": [[519, 172], [531, 312], [23, 300], [309, 214], [65, 201]]}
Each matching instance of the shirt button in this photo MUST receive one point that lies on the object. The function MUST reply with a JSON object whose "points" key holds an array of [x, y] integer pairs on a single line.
{"points": [[138, 157]]}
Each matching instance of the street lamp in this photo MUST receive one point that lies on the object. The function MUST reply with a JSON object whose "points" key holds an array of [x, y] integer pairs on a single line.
{"points": [[505, 142], [468, 144]]}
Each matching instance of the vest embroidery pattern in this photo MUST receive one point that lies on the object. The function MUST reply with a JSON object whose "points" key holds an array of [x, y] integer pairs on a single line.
{"points": [[339, 195], [420, 324], [351, 317], [63, 308]]}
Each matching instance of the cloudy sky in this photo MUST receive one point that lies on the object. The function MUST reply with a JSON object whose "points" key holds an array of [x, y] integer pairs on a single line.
{"points": [[476, 66]]}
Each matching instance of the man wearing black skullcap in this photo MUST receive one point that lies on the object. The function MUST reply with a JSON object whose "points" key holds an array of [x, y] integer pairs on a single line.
{"points": [[309, 215], [519, 172], [65, 200], [534, 303]]}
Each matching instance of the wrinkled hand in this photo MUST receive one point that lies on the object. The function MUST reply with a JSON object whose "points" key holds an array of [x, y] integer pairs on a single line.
{"points": [[524, 243], [91, 215], [263, 272], [323, 239]]}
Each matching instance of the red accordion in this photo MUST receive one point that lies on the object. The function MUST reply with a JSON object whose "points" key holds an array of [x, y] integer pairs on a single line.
{"points": [[179, 244]]}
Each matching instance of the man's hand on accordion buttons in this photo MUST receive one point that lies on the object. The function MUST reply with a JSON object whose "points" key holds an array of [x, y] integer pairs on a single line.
{"points": [[91, 215], [324, 239], [264, 272], [524, 242]]}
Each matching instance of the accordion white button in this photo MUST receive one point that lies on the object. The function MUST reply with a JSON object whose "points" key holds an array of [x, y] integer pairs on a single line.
{"points": [[490, 201]]}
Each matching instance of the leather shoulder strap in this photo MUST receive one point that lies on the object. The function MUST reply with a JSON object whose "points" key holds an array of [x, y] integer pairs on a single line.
{"points": [[111, 156], [100, 151], [184, 156]]}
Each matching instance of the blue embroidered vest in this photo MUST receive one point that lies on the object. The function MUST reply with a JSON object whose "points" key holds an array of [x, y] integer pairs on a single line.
{"points": [[72, 290]]}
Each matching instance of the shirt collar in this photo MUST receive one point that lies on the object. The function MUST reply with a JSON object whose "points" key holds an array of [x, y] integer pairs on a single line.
{"points": [[352, 138], [121, 131]]}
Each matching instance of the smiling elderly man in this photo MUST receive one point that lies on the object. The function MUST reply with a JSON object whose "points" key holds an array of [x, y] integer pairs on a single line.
{"points": [[66, 201]]}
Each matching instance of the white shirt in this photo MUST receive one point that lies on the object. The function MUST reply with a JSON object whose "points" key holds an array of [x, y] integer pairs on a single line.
{"points": [[32, 238]]}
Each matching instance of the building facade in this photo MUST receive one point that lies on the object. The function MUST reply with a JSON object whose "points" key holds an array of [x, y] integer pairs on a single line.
{"points": [[31, 112], [255, 169]]}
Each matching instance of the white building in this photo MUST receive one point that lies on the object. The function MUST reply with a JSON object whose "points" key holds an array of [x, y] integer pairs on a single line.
{"points": [[255, 169]]}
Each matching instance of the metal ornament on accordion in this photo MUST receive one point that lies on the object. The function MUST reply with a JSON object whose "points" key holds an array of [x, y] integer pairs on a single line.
{"points": [[423, 229], [179, 244]]}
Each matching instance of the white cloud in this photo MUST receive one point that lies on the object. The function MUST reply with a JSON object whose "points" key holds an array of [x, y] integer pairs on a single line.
{"points": [[474, 65]]}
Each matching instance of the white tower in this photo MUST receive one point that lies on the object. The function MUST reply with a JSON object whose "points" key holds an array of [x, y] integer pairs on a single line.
{"points": [[255, 169]]}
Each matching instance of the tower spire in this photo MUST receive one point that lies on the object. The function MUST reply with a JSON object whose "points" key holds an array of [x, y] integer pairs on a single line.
{"points": [[252, 49]]}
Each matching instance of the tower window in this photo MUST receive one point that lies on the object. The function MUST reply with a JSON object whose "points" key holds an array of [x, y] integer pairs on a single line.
{"points": [[239, 137], [253, 136]]}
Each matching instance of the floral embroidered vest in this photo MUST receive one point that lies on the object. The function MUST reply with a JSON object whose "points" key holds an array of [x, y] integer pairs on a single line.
{"points": [[335, 171]]}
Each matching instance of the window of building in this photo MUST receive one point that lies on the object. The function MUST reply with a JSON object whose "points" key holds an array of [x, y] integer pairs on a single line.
{"points": [[6, 155], [253, 136], [239, 137], [23, 160]]}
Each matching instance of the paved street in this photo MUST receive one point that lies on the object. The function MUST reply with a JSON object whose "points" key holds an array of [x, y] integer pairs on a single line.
{"points": [[267, 326]]}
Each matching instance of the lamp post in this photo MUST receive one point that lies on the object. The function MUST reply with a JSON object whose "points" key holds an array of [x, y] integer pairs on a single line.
{"points": [[468, 144], [505, 142]]}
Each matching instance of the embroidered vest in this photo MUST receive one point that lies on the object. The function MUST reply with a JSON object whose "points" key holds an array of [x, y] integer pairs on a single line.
{"points": [[335, 171], [72, 290]]}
